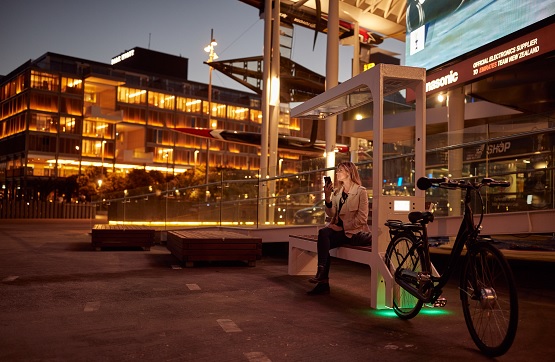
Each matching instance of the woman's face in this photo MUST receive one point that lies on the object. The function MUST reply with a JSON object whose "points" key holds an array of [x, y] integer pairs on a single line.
{"points": [[341, 174]]}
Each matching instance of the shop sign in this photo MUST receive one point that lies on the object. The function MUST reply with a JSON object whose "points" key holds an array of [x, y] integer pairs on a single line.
{"points": [[535, 43], [517, 146]]}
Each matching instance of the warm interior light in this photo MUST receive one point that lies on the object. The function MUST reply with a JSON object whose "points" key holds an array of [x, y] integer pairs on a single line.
{"points": [[132, 95], [274, 91]]}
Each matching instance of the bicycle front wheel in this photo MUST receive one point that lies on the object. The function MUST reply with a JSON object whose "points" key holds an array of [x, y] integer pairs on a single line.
{"points": [[489, 299], [399, 255]]}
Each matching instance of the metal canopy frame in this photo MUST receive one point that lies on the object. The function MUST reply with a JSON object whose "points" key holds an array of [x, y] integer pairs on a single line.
{"points": [[356, 91], [372, 86]]}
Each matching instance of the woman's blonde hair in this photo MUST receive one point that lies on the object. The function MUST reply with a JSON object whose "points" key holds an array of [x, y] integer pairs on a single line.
{"points": [[352, 170]]}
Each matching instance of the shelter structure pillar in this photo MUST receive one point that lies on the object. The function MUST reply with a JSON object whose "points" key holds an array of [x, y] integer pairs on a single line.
{"points": [[372, 86]]}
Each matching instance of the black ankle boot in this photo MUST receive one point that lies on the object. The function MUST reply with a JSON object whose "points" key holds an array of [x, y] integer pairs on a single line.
{"points": [[321, 275], [319, 289]]}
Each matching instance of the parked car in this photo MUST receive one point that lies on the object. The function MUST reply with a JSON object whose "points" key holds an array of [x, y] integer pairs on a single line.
{"points": [[314, 214]]}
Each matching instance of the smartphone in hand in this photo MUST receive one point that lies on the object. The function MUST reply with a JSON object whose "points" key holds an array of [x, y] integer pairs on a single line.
{"points": [[327, 180]]}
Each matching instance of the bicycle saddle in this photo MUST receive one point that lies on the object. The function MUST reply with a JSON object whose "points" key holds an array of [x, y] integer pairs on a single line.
{"points": [[421, 217]]}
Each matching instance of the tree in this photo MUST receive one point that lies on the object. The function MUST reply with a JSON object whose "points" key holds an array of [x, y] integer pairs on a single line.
{"points": [[67, 187], [138, 178], [157, 176], [113, 186], [87, 187]]}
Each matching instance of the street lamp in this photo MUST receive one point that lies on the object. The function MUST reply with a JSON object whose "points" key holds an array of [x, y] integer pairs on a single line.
{"points": [[100, 192], [211, 57], [167, 157], [195, 164], [280, 163], [101, 146], [78, 149]]}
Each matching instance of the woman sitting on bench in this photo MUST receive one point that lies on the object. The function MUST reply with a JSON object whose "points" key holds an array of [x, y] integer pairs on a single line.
{"points": [[348, 208]]}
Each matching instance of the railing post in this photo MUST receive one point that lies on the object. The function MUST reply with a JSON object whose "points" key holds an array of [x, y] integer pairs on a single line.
{"points": [[221, 194]]}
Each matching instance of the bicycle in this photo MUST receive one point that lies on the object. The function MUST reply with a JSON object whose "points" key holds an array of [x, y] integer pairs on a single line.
{"points": [[487, 288]]}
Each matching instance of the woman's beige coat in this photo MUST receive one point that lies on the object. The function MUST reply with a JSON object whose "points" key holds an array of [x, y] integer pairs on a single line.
{"points": [[354, 212]]}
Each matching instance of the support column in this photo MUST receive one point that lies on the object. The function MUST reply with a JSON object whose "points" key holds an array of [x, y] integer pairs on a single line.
{"points": [[267, 62], [332, 64], [455, 124], [355, 71], [275, 110]]}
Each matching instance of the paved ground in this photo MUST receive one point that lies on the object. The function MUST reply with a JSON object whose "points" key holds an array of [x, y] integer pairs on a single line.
{"points": [[62, 301]]}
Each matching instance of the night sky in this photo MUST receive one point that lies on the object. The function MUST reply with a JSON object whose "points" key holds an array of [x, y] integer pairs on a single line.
{"points": [[101, 29]]}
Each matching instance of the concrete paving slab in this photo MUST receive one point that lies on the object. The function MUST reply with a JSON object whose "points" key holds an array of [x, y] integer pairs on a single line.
{"points": [[62, 301]]}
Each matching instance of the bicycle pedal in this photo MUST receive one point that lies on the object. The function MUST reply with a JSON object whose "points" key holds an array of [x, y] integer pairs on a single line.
{"points": [[440, 302]]}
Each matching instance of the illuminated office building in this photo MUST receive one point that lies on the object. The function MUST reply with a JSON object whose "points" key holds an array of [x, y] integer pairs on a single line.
{"points": [[61, 114]]}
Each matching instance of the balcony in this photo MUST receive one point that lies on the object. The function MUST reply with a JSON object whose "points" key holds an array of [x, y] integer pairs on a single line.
{"points": [[104, 114], [137, 157]]}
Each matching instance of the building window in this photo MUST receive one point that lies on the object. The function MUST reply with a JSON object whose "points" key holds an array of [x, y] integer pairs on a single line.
{"points": [[218, 109], [161, 100], [94, 148], [13, 125], [44, 102], [89, 97], [68, 125], [10, 89], [13, 106], [44, 81], [189, 105], [160, 119], [237, 113], [42, 143], [131, 95], [97, 129], [69, 146], [134, 115], [43, 123], [72, 85], [71, 106], [255, 116], [163, 137]]}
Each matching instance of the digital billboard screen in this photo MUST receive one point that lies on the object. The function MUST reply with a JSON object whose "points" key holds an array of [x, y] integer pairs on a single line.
{"points": [[439, 31]]}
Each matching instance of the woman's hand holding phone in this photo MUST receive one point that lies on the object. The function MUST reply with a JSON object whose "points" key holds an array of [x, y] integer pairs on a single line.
{"points": [[328, 188]]}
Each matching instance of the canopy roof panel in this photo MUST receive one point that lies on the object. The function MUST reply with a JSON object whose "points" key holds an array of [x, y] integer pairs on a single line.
{"points": [[355, 92]]}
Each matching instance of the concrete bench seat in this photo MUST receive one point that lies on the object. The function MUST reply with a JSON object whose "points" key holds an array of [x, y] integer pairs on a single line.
{"points": [[213, 245], [303, 258], [104, 235]]}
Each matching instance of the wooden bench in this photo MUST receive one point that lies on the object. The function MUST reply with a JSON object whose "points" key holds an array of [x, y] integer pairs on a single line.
{"points": [[213, 245], [104, 235], [303, 258]]}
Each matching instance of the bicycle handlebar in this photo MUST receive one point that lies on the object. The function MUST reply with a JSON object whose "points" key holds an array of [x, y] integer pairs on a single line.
{"points": [[425, 183], [494, 183]]}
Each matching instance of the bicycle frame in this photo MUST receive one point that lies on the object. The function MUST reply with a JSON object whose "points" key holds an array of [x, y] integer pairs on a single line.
{"points": [[467, 235]]}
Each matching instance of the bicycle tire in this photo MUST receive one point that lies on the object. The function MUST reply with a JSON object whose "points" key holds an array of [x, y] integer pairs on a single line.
{"points": [[490, 313], [405, 305]]}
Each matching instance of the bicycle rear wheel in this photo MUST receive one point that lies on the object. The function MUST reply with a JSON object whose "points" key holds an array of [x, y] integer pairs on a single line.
{"points": [[400, 255], [489, 299]]}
